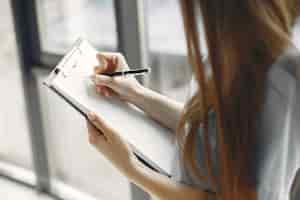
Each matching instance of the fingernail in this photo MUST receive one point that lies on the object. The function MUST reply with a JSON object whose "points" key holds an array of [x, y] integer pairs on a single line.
{"points": [[106, 93], [91, 116]]}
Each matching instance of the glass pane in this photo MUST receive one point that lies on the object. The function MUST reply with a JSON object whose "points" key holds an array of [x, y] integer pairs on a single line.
{"points": [[170, 69], [14, 132], [63, 21], [165, 27]]}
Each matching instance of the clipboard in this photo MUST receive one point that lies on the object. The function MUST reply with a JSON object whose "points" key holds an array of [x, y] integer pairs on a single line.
{"points": [[153, 144]]}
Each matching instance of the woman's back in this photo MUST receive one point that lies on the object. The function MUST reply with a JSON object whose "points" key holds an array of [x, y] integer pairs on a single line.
{"points": [[277, 155]]}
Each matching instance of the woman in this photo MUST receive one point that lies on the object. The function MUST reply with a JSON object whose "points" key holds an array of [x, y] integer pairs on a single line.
{"points": [[244, 40]]}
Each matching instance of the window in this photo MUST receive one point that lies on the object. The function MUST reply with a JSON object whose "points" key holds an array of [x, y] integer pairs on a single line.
{"points": [[14, 132], [166, 33], [60, 22], [74, 165], [63, 21], [171, 72], [72, 161]]}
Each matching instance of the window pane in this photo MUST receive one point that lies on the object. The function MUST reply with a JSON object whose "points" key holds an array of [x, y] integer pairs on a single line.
{"points": [[63, 21], [170, 74], [165, 27], [14, 132]]}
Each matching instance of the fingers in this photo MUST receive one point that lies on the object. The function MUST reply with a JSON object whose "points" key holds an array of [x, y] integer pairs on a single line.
{"points": [[99, 69], [100, 89], [105, 85], [102, 80], [95, 136], [101, 126], [108, 63], [106, 91]]}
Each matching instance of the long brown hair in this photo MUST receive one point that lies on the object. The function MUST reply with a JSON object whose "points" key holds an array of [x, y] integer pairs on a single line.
{"points": [[244, 37]]}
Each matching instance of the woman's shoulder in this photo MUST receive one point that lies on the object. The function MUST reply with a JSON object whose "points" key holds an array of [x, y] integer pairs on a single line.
{"points": [[289, 62], [285, 70]]}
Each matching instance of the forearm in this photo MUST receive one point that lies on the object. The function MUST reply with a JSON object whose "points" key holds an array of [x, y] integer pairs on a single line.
{"points": [[161, 108], [162, 187]]}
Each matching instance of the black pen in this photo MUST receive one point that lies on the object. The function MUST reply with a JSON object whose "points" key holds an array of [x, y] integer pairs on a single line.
{"points": [[134, 72]]}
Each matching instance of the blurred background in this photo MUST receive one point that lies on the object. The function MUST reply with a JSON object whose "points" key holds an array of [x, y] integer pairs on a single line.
{"points": [[44, 153]]}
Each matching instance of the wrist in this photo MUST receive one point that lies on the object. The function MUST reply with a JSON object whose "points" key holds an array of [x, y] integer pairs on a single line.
{"points": [[134, 173], [138, 95]]}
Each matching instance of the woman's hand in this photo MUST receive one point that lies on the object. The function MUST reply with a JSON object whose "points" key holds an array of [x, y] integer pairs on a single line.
{"points": [[111, 145], [125, 88], [161, 108]]}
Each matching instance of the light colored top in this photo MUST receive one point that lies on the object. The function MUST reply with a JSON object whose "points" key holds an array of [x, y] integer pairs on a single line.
{"points": [[185, 174], [182, 172], [278, 151]]}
